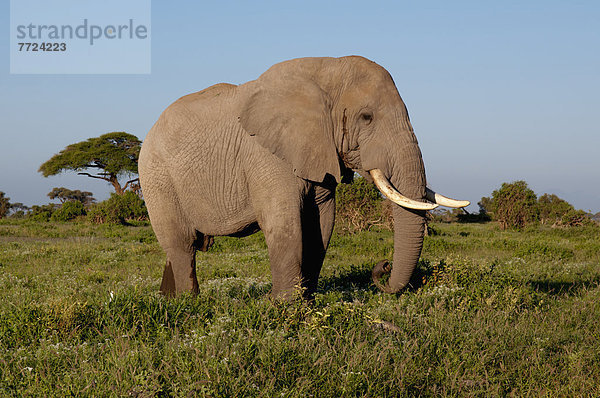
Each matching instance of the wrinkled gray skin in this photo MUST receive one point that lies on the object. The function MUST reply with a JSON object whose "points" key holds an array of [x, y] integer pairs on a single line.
{"points": [[267, 154]]}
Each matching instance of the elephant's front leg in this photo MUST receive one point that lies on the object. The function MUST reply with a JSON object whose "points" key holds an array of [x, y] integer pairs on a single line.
{"points": [[283, 235], [318, 216], [278, 213]]}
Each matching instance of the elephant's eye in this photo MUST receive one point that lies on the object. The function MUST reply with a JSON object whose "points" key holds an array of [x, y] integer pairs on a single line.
{"points": [[367, 117]]}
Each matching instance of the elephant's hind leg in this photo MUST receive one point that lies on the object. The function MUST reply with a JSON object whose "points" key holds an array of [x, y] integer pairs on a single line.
{"points": [[174, 235], [180, 271], [177, 278], [180, 244]]}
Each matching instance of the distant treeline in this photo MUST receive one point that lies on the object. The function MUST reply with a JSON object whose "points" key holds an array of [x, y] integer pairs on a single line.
{"points": [[513, 206], [110, 156], [359, 205]]}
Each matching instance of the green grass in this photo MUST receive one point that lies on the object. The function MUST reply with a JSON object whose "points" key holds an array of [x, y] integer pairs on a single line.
{"points": [[489, 313]]}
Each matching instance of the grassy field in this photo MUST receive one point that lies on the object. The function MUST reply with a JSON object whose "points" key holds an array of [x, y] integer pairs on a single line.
{"points": [[490, 313]]}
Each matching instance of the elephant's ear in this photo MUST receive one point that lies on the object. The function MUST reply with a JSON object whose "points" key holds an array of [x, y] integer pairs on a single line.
{"points": [[292, 118]]}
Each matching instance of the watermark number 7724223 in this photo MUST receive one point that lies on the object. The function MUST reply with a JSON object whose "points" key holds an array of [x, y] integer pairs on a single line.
{"points": [[42, 46]]}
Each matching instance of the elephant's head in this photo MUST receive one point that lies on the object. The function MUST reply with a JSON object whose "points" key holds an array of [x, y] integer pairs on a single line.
{"points": [[328, 116]]}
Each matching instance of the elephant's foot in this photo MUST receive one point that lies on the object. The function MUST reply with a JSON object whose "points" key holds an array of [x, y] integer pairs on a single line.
{"points": [[180, 273], [167, 286]]}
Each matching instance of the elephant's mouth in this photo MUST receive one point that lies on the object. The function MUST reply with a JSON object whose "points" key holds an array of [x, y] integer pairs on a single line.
{"points": [[351, 159], [435, 199]]}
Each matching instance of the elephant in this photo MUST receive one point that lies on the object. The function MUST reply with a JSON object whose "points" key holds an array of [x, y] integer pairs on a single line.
{"points": [[231, 160]]}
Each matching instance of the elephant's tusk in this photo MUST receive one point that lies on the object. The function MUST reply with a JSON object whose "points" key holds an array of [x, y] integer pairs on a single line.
{"points": [[392, 194], [444, 201]]}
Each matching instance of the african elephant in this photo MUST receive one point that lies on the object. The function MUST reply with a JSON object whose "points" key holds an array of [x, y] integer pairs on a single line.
{"points": [[268, 154]]}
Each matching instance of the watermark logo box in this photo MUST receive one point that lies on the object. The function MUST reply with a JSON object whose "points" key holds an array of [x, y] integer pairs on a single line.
{"points": [[80, 37]]}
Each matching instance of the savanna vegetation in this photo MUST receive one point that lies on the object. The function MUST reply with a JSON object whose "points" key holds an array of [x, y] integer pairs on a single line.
{"points": [[490, 312], [514, 205], [504, 302], [112, 156]]}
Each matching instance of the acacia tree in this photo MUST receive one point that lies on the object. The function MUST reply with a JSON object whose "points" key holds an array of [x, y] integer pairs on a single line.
{"points": [[114, 155], [64, 194]]}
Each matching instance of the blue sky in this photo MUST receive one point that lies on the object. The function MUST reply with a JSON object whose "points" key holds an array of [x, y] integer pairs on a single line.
{"points": [[497, 91]]}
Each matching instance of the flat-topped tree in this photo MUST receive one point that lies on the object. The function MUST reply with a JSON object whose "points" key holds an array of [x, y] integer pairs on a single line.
{"points": [[64, 194], [114, 155]]}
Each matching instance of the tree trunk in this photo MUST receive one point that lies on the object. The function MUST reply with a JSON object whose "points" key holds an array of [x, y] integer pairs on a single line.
{"points": [[115, 183]]}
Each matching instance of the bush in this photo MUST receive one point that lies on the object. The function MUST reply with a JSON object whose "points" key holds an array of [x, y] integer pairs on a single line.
{"points": [[360, 206], [68, 211], [118, 209], [552, 208], [480, 217], [457, 215], [4, 204], [42, 213], [574, 218], [514, 205], [443, 215], [485, 205], [18, 214], [19, 210]]}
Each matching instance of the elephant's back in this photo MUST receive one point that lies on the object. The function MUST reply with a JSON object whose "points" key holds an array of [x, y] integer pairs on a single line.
{"points": [[198, 142], [193, 119], [199, 99]]}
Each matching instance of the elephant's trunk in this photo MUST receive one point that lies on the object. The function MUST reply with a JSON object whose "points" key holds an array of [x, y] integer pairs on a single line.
{"points": [[409, 230], [408, 177]]}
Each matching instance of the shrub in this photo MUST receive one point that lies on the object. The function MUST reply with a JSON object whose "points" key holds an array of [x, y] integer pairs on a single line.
{"points": [[457, 215], [514, 205], [18, 214], [574, 218], [19, 210], [485, 205], [443, 215], [118, 209], [69, 210], [42, 213], [360, 206], [4, 205], [552, 208], [480, 217]]}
